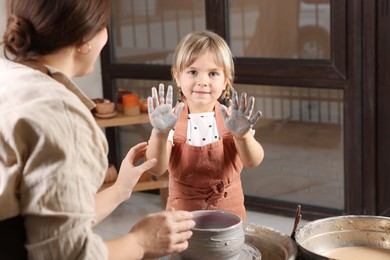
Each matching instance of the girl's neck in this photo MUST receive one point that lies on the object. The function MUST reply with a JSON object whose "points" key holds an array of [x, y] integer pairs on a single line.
{"points": [[195, 109]]}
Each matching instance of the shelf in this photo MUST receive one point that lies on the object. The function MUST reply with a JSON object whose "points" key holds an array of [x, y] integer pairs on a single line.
{"points": [[122, 120]]}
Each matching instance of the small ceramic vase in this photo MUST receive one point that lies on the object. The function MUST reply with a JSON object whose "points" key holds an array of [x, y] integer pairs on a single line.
{"points": [[131, 105], [217, 235]]}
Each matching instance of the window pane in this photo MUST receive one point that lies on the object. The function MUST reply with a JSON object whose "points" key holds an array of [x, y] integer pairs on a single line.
{"points": [[293, 29], [302, 135], [147, 31]]}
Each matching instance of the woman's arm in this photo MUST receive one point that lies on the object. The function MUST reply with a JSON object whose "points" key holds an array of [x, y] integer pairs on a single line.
{"points": [[108, 199], [154, 236]]}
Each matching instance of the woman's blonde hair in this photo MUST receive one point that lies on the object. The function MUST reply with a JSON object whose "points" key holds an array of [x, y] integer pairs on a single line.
{"points": [[196, 44]]}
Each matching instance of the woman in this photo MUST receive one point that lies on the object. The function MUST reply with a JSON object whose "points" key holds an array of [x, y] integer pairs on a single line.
{"points": [[53, 156]]}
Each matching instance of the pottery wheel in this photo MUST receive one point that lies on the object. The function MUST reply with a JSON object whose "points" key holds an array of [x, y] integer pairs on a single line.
{"points": [[248, 252]]}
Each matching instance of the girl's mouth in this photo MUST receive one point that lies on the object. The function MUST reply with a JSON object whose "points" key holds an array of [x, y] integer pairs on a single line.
{"points": [[201, 92]]}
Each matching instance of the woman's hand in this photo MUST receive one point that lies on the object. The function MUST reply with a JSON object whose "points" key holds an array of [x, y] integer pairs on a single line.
{"points": [[238, 117], [164, 233], [128, 173], [161, 115]]}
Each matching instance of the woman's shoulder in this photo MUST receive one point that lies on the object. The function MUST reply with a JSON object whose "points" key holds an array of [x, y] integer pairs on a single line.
{"points": [[21, 85], [19, 78], [30, 94]]}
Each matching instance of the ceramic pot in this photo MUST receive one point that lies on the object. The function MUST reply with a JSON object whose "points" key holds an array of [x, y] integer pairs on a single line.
{"points": [[105, 107], [217, 235]]}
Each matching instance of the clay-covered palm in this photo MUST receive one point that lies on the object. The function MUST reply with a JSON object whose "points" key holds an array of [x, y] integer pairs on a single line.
{"points": [[238, 117], [161, 115]]}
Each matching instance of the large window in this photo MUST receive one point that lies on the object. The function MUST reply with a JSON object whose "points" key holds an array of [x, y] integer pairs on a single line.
{"points": [[292, 56]]}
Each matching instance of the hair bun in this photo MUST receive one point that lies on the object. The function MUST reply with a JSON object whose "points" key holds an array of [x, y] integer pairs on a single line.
{"points": [[17, 38]]}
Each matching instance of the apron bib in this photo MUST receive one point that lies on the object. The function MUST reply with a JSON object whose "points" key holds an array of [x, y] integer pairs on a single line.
{"points": [[206, 177]]}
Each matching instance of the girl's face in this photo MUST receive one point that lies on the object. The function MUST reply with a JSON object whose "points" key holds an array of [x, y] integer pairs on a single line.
{"points": [[202, 83]]}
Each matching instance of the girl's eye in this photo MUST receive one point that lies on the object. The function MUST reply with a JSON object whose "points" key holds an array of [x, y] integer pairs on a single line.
{"points": [[191, 72], [213, 74]]}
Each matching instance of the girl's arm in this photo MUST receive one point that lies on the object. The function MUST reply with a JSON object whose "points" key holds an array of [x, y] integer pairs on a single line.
{"points": [[163, 118], [160, 148], [239, 120], [250, 151]]}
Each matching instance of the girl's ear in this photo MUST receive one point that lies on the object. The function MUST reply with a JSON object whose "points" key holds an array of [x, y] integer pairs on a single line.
{"points": [[226, 84], [176, 77]]}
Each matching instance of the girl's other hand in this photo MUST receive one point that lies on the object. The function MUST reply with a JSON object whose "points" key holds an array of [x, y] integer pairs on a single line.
{"points": [[238, 117]]}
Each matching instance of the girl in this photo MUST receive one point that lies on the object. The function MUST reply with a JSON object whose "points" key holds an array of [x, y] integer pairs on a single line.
{"points": [[203, 144]]}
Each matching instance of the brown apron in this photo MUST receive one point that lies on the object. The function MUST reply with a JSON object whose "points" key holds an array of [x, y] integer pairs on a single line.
{"points": [[206, 177]]}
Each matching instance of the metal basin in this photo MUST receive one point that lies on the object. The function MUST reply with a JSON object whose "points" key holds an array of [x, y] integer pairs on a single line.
{"points": [[318, 237]]}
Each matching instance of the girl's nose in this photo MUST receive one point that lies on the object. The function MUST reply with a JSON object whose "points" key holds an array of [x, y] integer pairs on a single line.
{"points": [[202, 84], [203, 80]]}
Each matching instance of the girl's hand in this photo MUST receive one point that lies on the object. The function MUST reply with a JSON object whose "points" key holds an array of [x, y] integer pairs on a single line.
{"points": [[161, 115], [238, 117]]}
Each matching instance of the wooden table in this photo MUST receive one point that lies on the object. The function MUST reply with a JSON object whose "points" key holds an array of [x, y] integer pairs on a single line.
{"points": [[146, 182]]}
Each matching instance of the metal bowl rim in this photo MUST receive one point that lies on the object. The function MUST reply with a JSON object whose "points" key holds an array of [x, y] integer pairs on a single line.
{"points": [[344, 217], [330, 219]]}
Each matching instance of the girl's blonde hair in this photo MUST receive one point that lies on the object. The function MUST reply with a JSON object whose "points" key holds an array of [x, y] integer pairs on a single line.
{"points": [[196, 44]]}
